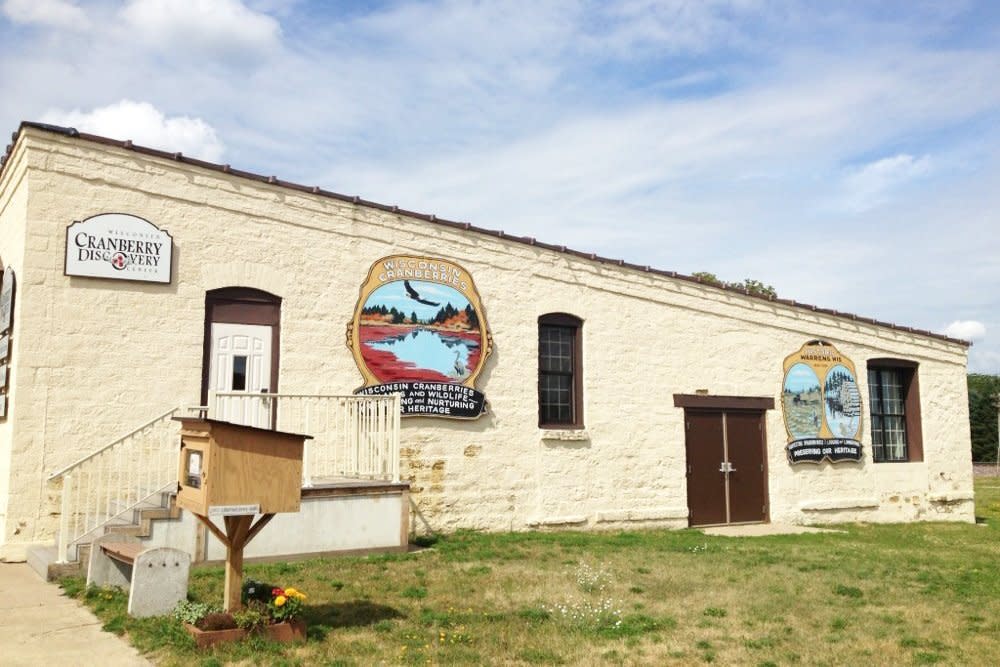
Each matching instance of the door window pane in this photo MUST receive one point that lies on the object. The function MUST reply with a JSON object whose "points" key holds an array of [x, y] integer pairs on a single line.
{"points": [[239, 373]]}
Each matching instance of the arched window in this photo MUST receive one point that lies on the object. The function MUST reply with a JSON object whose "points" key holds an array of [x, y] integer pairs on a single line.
{"points": [[560, 371]]}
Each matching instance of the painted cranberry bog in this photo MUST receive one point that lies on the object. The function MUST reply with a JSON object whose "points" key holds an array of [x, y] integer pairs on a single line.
{"points": [[872, 594]]}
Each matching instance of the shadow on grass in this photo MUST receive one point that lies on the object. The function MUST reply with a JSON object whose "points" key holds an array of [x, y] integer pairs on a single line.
{"points": [[325, 617]]}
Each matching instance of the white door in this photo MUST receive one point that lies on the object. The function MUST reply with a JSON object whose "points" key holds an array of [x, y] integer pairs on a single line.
{"points": [[239, 372]]}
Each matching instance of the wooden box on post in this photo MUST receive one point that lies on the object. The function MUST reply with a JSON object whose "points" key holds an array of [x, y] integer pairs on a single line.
{"points": [[226, 466], [236, 472]]}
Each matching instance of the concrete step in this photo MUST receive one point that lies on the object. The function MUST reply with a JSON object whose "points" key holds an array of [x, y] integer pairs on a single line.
{"points": [[39, 558], [43, 558]]}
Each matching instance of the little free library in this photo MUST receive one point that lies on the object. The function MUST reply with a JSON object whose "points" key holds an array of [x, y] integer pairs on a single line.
{"points": [[448, 376]]}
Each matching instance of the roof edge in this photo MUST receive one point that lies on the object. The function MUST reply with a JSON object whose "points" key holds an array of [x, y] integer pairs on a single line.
{"points": [[465, 226]]}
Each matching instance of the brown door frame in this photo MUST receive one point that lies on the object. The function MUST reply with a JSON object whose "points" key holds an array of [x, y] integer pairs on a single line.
{"points": [[721, 405], [241, 305]]}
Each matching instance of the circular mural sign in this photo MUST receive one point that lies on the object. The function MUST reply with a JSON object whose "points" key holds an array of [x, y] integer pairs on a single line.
{"points": [[419, 330]]}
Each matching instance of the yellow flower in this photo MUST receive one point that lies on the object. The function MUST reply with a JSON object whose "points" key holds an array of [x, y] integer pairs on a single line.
{"points": [[300, 595], [290, 592], [279, 601]]}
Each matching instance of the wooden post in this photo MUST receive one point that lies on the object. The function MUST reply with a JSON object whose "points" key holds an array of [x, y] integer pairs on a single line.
{"points": [[238, 534]]}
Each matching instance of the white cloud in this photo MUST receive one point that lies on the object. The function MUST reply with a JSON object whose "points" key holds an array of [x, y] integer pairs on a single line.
{"points": [[56, 13], [748, 139], [965, 330], [871, 185], [634, 26], [219, 27], [145, 125]]}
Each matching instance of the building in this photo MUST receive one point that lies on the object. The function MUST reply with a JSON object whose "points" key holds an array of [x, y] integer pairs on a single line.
{"points": [[543, 386]]}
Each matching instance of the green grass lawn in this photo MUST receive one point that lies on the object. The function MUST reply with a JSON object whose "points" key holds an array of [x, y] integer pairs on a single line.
{"points": [[915, 594]]}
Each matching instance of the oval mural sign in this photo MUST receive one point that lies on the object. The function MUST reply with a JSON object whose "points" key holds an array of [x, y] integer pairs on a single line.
{"points": [[822, 405], [419, 330]]}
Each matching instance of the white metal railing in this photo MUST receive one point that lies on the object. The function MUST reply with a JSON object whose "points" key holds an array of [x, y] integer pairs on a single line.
{"points": [[353, 436], [115, 479]]}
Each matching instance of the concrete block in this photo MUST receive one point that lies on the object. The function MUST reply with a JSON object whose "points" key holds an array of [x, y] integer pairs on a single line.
{"points": [[159, 581]]}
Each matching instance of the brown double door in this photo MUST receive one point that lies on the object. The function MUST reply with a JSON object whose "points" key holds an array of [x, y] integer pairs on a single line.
{"points": [[726, 473]]}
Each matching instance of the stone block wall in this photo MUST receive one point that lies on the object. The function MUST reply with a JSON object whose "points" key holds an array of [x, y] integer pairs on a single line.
{"points": [[100, 357]]}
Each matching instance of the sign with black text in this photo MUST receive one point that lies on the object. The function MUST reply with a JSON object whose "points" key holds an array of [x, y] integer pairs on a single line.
{"points": [[118, 246], [821, 404], [419, 330]]}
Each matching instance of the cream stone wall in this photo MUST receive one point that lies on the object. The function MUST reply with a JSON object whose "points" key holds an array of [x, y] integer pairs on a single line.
{"points": [[13, 207], [104, 356]]}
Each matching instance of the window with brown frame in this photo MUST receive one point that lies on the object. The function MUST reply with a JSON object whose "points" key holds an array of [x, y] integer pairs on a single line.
{"points": [[894, 400], [560, 371]]}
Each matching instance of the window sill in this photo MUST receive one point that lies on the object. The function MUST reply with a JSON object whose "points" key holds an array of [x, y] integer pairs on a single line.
{"points": [[565, 434]]}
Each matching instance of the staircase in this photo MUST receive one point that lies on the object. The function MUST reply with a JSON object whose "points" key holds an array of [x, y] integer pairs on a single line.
{"points": [[44, 560], [129, 485], [121, 487]]}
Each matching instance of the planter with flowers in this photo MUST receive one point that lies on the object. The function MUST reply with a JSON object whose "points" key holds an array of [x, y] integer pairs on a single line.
{"points": [[268, 611]]}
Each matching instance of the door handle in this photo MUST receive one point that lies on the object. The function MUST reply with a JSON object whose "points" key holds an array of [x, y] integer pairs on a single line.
{"points": [[726, 466]]}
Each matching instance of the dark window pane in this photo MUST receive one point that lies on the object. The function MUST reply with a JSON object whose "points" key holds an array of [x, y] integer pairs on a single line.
{"points": [[556, 349], [887, 396], [556, 370], [239, 374]]}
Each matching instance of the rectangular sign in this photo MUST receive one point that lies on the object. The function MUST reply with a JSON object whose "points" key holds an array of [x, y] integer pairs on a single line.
{"points": [[120, 247], [6, 299], [232, 510]]}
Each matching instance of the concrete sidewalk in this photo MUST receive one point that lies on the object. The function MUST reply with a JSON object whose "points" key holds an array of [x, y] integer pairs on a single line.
{"points": [[764, 529], [39, 626]]}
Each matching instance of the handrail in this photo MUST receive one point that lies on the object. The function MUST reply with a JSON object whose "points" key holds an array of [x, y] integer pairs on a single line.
{"points": [[355, 436], [360, 438], [358, 397], [115, 479], [114, 442]]}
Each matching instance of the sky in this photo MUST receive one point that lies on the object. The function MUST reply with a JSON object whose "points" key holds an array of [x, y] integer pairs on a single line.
{"points": [[847, 153], [393, 295]]}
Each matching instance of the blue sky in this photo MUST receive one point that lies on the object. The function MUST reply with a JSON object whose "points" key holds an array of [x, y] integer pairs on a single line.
{"points": [[846, 153], [393, 295], [801, 377]]}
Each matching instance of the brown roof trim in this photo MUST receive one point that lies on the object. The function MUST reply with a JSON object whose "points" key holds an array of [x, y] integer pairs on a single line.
{"points": [[704, 401], [465, 226]]}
